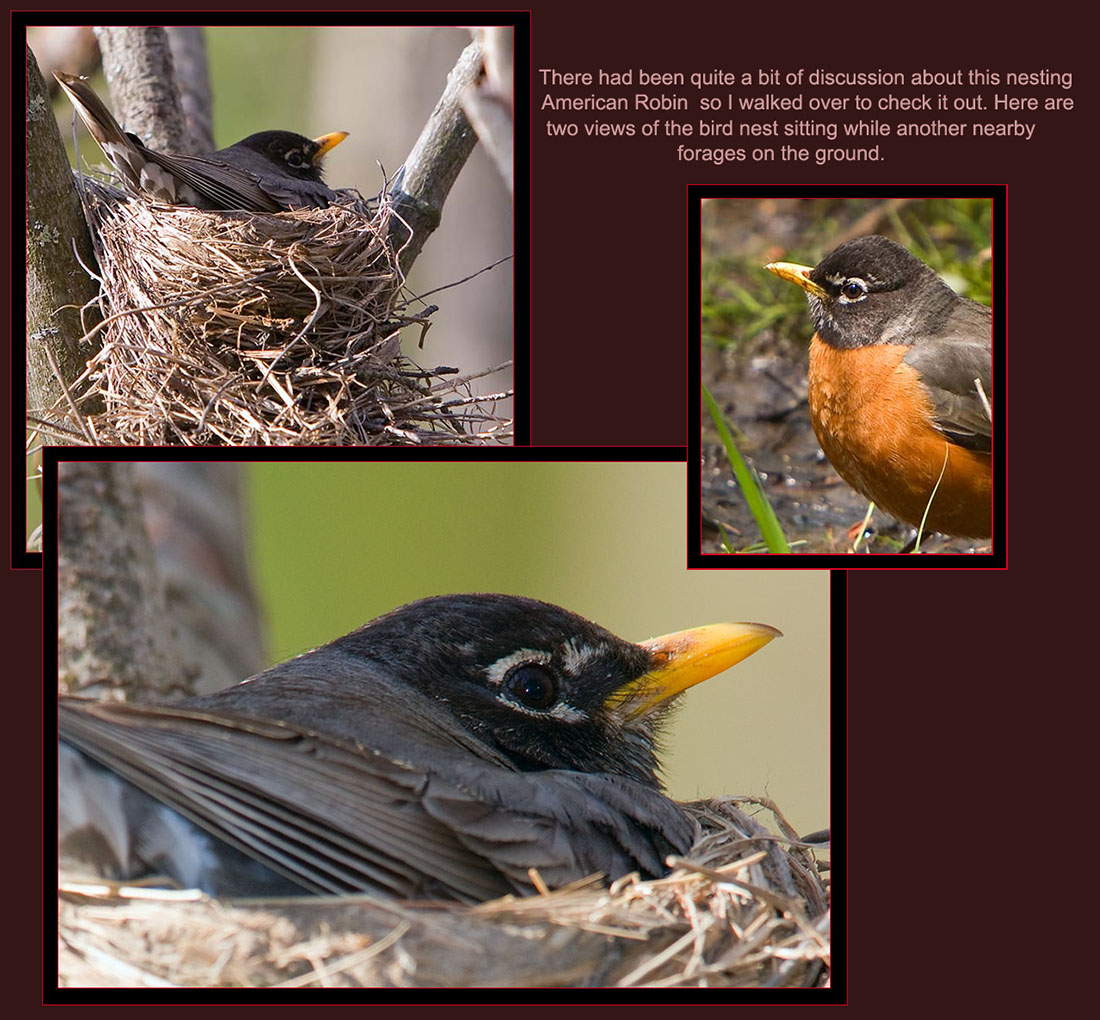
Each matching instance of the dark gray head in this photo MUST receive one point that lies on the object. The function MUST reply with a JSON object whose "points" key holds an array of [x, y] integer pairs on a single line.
{"points": [[872, 290], [528, 678]]}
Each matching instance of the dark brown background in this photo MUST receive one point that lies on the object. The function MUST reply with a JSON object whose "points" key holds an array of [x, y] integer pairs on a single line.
{"points": [[609, 215], [964, 686]]}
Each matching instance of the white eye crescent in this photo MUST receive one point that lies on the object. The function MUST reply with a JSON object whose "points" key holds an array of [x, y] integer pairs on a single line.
{"points": [[853, 289]]}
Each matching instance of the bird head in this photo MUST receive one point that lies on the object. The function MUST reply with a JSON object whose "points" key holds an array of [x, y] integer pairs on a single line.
{"points": [[869, 290], [297, 155], [546, 688]]}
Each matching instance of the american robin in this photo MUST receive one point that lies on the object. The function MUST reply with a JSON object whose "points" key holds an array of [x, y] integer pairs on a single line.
{"points": [[895, 363], [271, 171], [441, 750]]}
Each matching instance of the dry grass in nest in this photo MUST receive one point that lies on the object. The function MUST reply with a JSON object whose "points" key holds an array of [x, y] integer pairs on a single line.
{"points": [[261, 329], [745, 908]]}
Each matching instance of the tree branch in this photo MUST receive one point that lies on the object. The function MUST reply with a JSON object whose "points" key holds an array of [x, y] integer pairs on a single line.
{"points": [[435, 161], [57, 285], [114, 636], [137, 61]]}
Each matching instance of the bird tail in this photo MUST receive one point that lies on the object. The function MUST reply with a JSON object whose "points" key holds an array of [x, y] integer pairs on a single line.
{"points": [[121, 148]]}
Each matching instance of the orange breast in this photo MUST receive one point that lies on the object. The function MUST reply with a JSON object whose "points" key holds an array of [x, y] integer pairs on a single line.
{"points": [[871, 415]]}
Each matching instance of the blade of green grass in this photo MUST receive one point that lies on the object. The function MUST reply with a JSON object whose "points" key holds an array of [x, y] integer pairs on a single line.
{"points": [[746, 477]]}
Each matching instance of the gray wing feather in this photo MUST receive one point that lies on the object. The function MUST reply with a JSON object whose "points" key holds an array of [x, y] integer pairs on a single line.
{"points": [[948, 369]]}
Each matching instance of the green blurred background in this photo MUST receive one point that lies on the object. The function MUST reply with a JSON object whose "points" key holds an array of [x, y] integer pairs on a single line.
{"points": [[335, 545]]}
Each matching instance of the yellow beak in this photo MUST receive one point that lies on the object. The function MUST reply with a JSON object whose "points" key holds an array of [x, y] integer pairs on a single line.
{"points": [[328, 142], [685, 659], [797, 274]]}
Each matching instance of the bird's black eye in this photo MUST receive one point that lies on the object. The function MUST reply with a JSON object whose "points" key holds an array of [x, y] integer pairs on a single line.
{"points": [[853, 289], [532, 685], [295, 159]]}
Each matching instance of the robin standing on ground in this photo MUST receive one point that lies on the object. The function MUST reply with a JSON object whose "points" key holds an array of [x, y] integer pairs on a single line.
{"points": [[895, 365], [442, 750], [271, 171]]}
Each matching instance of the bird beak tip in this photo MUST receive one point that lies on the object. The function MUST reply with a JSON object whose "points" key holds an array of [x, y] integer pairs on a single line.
{"points": [[798, 275], [689, 657], [328, 142]]}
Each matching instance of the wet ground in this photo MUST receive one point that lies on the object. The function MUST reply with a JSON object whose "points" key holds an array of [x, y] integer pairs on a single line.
{"points": [[766, 400]]}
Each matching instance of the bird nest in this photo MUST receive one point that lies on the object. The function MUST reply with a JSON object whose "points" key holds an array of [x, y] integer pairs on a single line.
{"points": [[747, 907], [262, 329]]}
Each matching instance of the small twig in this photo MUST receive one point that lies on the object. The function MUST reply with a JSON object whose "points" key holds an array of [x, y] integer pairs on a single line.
{"points": [[306, 328], [447, 286], [983, 398], [320, 975]]}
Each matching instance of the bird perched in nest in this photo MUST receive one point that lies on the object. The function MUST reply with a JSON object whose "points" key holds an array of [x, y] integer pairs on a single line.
{"points": [[441, 750], [272, 171]]}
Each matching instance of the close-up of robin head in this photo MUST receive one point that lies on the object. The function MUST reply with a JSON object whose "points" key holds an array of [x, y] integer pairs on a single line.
{"points": [[270, 171], [900, 381], [443, 750]]}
